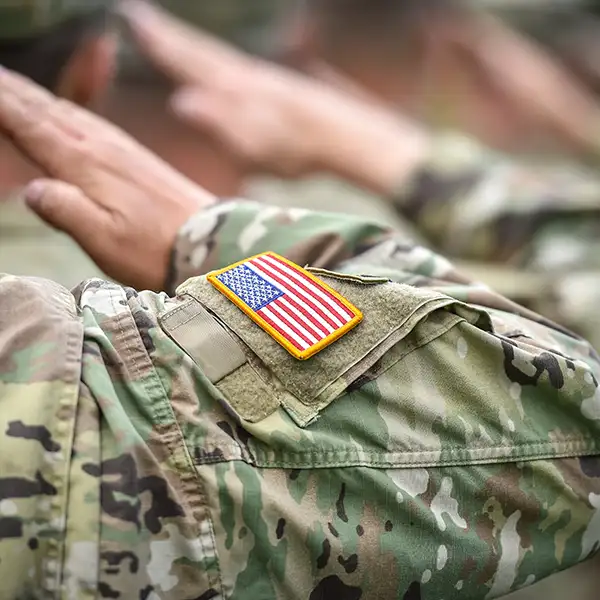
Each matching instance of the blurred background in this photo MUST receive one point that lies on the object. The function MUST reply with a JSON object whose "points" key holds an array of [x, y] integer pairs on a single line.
{"points": [[567, 31]]}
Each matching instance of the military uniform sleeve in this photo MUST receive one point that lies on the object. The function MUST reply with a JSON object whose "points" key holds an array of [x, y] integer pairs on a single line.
{"points": [[235, 230], [432, 452], [475, 203], [171, 448]]}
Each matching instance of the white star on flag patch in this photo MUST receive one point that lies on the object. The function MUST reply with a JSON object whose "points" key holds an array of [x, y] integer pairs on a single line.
{"points": [[294, 307]]}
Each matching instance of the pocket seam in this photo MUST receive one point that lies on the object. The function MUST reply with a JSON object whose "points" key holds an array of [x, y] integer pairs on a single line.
{"points": [[569, 448]]}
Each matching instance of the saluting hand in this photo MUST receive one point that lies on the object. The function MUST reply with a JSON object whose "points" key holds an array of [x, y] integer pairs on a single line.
{"points": [[119, 201], [276, 120]]}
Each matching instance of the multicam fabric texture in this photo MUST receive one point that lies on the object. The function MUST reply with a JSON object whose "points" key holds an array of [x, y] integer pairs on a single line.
{"points": [[473, 203], [25, 18], [462, 463]]}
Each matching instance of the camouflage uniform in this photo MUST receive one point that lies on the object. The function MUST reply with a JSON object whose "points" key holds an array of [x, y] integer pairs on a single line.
{"points": [[544, 219], [446, 447]]}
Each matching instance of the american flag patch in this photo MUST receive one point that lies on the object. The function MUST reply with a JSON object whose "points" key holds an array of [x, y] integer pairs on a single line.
{"points": [[293, 306]]}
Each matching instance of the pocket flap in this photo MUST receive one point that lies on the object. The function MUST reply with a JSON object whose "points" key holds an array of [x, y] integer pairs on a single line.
{"points": [[390, 312]]}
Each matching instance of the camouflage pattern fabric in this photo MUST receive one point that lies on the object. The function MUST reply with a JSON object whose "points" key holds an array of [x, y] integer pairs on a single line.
{"points": [[542, 219], [455, 457], [27, 18]]}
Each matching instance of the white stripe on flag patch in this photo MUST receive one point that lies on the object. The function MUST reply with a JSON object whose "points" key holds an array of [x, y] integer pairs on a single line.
{"points": [[309, 326], [273, 317], [291, 318]]}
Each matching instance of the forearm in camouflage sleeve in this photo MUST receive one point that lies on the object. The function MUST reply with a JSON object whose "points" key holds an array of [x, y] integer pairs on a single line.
{"points": [[475, 203], [235, 230]]}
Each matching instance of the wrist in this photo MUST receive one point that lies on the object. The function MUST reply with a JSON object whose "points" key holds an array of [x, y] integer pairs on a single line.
{"points": [[192, 252]]}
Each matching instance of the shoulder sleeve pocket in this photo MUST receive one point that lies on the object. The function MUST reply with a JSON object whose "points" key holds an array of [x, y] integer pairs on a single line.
{"points": [[257, 375]]}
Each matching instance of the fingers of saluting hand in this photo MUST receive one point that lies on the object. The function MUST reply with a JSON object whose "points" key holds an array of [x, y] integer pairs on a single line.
{"points": [[47, 129], [59, 135], [183, 52]]}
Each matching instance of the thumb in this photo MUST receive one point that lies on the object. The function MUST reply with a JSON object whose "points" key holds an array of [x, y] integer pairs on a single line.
{"points": [[66, 208]]}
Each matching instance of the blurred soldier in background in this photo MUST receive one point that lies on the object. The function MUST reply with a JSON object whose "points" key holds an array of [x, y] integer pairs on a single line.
{"points": [[450, 64], [470, 202]]}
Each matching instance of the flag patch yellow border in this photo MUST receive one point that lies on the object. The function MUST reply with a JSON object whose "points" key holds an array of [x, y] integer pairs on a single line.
{"points": [[294, 293]]}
